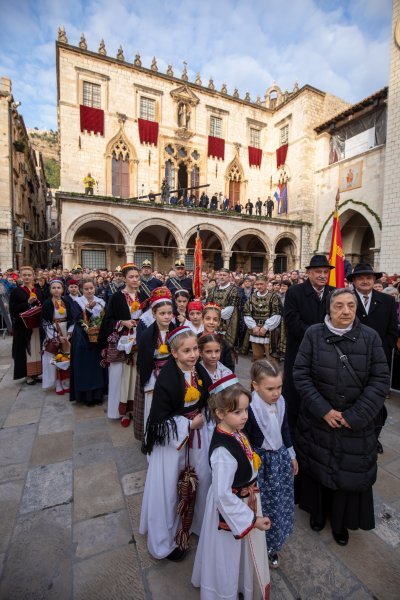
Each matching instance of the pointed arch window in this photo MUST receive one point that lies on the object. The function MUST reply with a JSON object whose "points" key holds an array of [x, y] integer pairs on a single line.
{"points": [[120, 169], [195, 180], [170, 174]]}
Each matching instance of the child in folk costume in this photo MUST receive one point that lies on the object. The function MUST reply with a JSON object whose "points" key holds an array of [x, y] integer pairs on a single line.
{"points": [[153, 353], [123, 310], [176, 433], [57, 324], [232, 547], [211, 324], [181, 299], [210, 345], [88, 382], [195, 320], [268, 431]]}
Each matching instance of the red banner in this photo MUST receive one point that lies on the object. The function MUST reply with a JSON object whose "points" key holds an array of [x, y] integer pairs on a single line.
{"points": [[281, 154], [336, 257], [148, 132], [216, 147], [92, 119], [255, 156], [198, 267]]}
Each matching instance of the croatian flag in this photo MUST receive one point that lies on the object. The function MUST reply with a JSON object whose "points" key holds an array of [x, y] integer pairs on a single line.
{"points": [[277, 197], [283, 208]]}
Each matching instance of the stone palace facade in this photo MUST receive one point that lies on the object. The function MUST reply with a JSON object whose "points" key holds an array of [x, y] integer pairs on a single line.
{"points": [[132, 126]]}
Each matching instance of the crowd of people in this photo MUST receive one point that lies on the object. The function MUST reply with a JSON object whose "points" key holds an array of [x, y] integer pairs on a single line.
{"points": [[225, 462], [217, 202]]}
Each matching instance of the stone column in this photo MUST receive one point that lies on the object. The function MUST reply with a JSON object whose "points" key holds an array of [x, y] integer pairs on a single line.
{"points": [[129, 251], [225, 257], [68, 251], [182, 253]]}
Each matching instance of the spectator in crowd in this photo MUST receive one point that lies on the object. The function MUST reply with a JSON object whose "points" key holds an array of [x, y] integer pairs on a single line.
{"points": [[269, 205], [249, 207], [258, 207], [238, 207], [214, 202], [378, 286], [336, 439]]}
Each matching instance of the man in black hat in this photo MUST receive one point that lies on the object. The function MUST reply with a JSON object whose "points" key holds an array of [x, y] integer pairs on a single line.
{"points": [[378, 311], [148, 282], [305, 305], [180, 281], [226, 295], [116, 284]]}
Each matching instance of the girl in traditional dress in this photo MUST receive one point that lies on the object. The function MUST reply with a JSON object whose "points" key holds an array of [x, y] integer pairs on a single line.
{"points": [[26, 346], [87, 375], [181, 298], [211, 324], [210, 345], [268, 431], [57, 325], [153, 353], [123, 310], [175, 432], [232, 547], [195, 320]]}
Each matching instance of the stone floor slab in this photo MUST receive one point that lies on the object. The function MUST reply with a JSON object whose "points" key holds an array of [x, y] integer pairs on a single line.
{"points": [[97, 490], [393, 467], [96, 453], [47, 486], [130, 459], [51, 448], [16, 444], [133, 483], [111, 575], [82, 412], [387, 486], [120, 436], [163, 582], [13, 472], [10, 494], [38, 562], [101, 534], [22, 417], [94, 424], [82, 440], [134, 504]]}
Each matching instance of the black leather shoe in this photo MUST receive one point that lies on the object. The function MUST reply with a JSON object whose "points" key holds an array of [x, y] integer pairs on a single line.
{"points": [[316, 525], [176, 555], [341, 538], [379, 447]]}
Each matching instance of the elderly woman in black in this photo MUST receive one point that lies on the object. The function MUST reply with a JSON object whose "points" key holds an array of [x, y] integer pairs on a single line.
{"points": [[342, 377]]}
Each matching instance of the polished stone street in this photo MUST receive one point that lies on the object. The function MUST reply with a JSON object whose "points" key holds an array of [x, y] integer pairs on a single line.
{"points": [[71, 485]]}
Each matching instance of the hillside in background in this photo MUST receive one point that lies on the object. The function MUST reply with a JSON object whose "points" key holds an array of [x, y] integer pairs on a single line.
{"points": [[47, 143]]}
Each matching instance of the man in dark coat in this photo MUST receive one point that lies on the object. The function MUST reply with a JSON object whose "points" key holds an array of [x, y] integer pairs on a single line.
{"points": [[342, 376], [148, 282], [378, 311], [180, 281], [304, 306]]}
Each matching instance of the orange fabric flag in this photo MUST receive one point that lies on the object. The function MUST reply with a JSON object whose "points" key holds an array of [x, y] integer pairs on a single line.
{"points": [[336, 256], [198, 267]]}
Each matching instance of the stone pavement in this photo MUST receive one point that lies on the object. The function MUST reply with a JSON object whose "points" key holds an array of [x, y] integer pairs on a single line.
{"points": [[71, 485]]}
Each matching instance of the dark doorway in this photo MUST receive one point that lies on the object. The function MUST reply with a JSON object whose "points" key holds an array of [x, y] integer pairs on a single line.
{"points": [[280, 264], [182, 179]]}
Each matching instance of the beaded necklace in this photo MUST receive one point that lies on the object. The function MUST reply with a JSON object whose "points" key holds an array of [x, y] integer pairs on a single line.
{"points": [[245, 445]]}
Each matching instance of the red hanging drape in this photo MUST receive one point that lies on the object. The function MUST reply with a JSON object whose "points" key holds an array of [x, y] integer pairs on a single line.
{"points": [[281, 154], [255, 156], [148, 131], [216, 147], [92, 119]]}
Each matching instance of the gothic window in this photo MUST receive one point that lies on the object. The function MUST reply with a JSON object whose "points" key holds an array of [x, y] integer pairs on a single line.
{"points": [[170, 174], [195, 155], [91, 94], [254, 137], [284, 135], [147, 109], [182, 152], [120, 170], [195, 180], [169, 150], [216, 127]]}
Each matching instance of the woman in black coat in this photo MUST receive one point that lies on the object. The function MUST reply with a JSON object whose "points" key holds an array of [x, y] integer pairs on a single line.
{"points": [[342, 377]]}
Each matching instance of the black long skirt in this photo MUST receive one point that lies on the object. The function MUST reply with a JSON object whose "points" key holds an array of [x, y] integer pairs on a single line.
{"points": [[346, 510]]}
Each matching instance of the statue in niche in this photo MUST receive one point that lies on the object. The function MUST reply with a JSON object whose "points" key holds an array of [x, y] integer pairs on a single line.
{"points": [[154, 64], [82, 42], [184, 115], [137, 62]]}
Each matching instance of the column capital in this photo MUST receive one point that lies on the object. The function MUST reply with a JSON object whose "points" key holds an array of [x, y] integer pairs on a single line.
{"points": [[183, 252]]}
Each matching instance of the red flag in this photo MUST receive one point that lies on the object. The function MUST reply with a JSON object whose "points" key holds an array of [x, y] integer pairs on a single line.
{"points": [[336, 257], [198, 267]]}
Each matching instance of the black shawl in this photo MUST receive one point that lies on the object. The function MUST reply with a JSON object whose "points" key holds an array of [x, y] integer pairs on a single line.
{"points": [[145, 355], [117, 310], [168, 402]]}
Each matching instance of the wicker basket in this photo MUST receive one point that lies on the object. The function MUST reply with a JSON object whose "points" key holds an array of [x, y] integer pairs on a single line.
{"points": [[93, 334]]}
